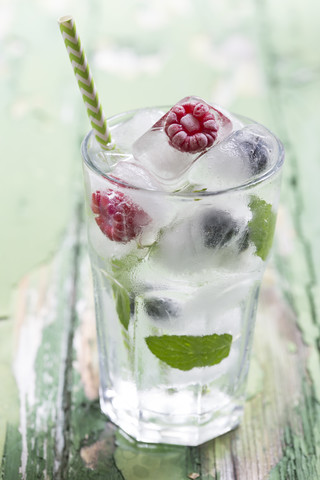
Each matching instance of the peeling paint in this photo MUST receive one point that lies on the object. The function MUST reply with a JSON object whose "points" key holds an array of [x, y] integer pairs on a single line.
{"points": [[30, 329], [85, 342]]}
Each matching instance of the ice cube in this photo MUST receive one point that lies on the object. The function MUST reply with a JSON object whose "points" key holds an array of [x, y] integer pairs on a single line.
{"points": [[245, 154], [123, 136], [104, 160], [154, 152], [134, 175], [209, 238], [258, 148], [160, 308], [219, 229], [173, 143], [146, 192], [220, 304], [126, 133]]}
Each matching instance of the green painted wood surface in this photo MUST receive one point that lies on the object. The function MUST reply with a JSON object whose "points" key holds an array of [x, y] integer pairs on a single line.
{"points": [[259, 58]]}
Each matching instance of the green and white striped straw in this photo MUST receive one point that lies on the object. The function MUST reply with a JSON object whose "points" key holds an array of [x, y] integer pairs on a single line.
{"points": [[85, 81]]}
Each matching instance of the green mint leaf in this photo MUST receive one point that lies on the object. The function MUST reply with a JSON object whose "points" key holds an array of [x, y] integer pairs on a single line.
{"points": [[261, 226], [122, 284], [186, 352], [120, 281], [122, 269], [122, 300]]}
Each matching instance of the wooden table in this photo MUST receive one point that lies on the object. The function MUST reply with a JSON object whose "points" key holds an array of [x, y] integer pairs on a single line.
{"points": [[259, 58]]}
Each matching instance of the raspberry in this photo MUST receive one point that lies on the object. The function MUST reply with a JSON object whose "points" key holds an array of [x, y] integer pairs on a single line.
{"points": [[117, 216], [191, 127]]}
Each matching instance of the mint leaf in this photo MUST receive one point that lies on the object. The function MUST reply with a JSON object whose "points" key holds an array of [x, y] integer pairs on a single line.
{"points": [[186, 352], [122, 284], [122, 269], [122, 300], [261, 226], [120, 281]]}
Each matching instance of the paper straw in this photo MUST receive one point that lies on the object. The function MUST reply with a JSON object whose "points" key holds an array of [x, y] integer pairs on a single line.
{"points": [[85, 81]]}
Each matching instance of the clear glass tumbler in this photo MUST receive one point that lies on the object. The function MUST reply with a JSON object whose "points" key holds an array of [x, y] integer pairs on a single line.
{"points": [[176, 305]]}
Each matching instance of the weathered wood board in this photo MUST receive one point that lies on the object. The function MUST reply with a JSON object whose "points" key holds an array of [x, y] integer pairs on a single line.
{"points": [[261, 59]]}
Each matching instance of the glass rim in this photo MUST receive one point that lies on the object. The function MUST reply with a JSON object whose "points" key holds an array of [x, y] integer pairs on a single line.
{"points": [[191, 195]]}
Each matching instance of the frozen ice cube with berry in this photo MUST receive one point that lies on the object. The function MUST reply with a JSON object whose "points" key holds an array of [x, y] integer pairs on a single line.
{"points": [[126, 210], [247, 153], [117, 216], [190, 128], [205, 238]]}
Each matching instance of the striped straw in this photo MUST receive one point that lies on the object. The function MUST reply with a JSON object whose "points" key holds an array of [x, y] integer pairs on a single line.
{"points": [[85, 81]]}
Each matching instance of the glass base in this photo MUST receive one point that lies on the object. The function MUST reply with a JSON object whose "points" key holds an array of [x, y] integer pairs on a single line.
{"points": [[178, 429]]}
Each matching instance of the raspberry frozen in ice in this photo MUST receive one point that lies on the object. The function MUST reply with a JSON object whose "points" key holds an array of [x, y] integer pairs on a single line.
{"points": [[191, 127], [117, 216], [186, 131]]}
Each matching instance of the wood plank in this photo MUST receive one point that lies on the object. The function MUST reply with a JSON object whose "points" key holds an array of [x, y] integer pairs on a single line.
{"points": [[9, 413], [43, 320]]}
